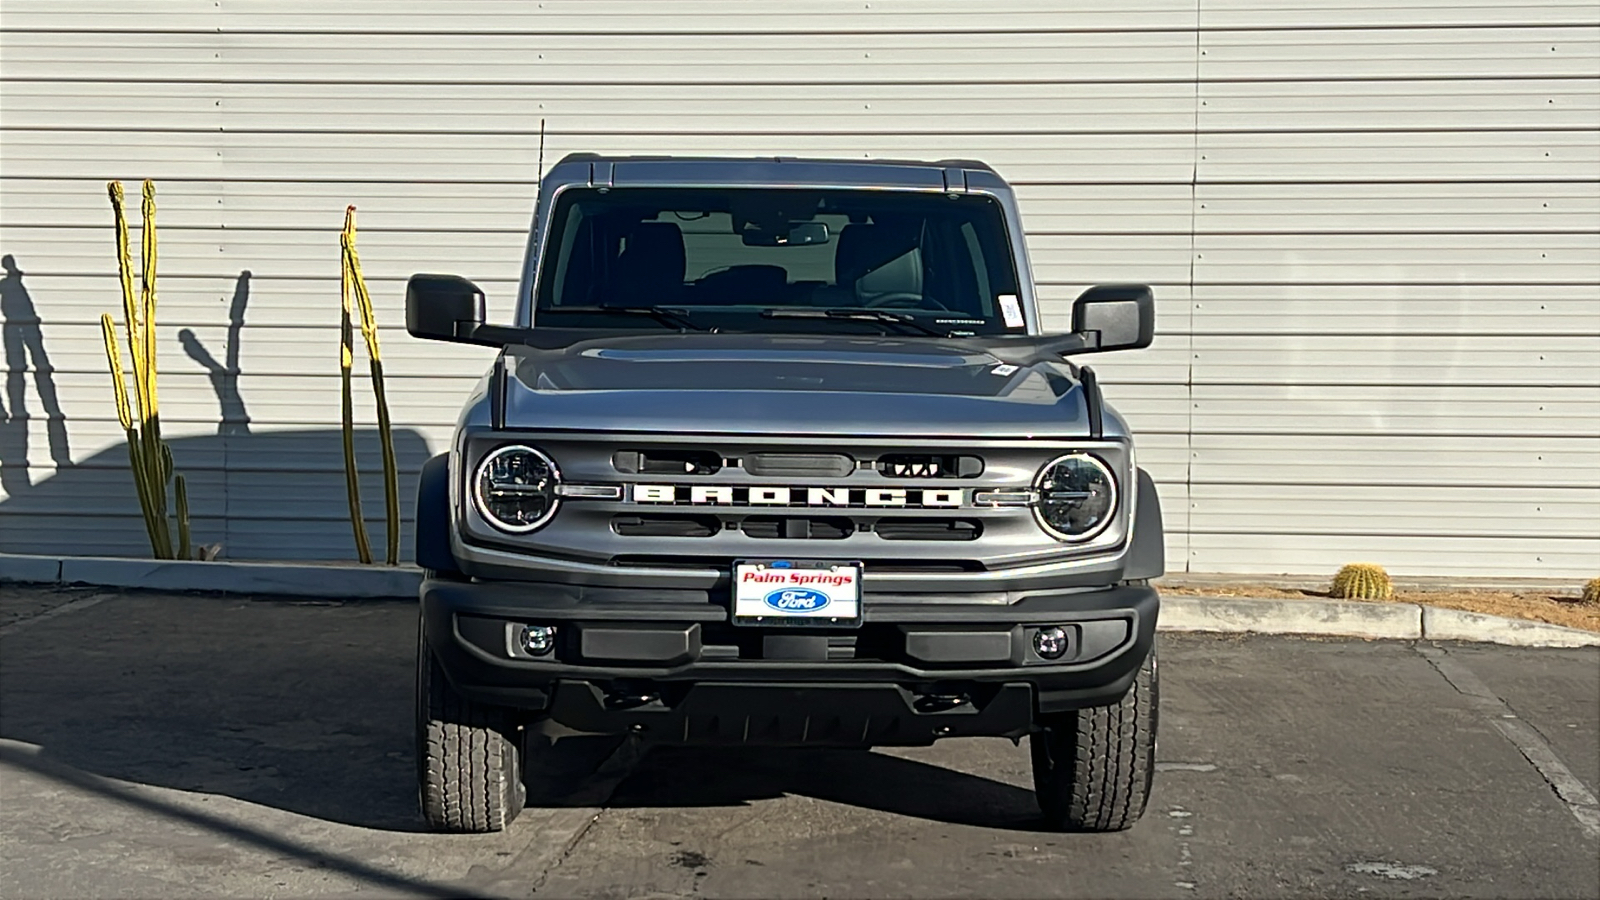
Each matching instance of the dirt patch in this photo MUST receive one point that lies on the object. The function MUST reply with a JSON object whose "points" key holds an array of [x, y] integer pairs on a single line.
{"points": [[1540, 606]]}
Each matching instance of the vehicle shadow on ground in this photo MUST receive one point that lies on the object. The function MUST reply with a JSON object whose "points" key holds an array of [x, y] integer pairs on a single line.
{"points": [[734, 776], [308, 707], [304, 707]]}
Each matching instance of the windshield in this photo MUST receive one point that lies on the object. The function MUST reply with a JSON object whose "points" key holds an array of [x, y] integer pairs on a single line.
{"points": [[778, 260]]}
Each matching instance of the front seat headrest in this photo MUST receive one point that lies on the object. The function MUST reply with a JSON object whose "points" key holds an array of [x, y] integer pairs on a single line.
{"points": [[650, 267]]}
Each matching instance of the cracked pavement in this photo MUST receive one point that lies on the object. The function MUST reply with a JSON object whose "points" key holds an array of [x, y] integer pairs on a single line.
{"points": [[179, 745]]}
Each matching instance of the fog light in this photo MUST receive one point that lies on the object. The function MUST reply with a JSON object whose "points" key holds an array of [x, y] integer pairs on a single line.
{"points": [[1050, 642], [537, 640]]}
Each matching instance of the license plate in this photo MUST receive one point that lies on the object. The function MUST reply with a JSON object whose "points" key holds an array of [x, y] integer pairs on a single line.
{"points": [[796, 592]]}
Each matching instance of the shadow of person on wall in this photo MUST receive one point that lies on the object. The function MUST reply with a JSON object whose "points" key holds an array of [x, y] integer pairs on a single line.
{"points": [[225, 378], [24, 342]]}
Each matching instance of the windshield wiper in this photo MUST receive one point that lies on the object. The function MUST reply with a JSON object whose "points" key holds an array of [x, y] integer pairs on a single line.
{"points": [[666, 315], [905, 320]]}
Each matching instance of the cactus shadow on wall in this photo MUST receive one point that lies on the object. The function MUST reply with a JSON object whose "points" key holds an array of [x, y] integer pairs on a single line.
{"points": [[225, 376], [260, 494], [24, 352]]}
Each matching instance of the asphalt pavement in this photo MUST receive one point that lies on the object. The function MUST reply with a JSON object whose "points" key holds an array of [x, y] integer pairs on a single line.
{"points": [[170, 745]]}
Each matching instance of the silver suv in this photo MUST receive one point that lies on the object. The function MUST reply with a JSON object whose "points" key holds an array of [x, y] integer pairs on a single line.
{"points": [[777, 453]]}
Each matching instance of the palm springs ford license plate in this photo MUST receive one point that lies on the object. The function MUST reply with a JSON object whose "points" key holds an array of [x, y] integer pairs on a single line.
{"points": [[796, 592]]}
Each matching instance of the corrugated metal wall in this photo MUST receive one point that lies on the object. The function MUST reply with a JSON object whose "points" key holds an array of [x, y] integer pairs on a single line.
{"points": [[1374, 228]]}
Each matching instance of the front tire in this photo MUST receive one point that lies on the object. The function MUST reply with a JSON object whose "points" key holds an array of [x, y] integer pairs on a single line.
{"points": [[469, 767], [1092, 768]]}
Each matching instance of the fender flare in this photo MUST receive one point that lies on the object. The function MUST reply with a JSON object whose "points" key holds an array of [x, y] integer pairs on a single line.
{"points": [[434, 518], [1148, 556]]}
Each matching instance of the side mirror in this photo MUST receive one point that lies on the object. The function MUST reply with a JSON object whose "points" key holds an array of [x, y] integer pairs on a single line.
{"points": [[1115, 317], [444, 308]]}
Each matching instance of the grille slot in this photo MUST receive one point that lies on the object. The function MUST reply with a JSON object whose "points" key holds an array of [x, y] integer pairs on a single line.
{"points": [[667, 462], [666, 526], [929, 529], [799, 465], [797, 528], [928, 465]]}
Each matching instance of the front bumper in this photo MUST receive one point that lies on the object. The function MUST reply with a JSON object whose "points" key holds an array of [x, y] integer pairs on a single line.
{"points": [[670, 665]]}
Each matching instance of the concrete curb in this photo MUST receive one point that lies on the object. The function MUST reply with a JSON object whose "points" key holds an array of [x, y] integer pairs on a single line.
{"points": [[344, 581], [1244, 615], [1343, 618], [1441, 624], [1400, 621], [29, 568]]}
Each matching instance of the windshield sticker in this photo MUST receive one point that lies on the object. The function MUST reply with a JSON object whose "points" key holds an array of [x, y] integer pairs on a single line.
{"points": [[1003, 369], [1011, 311]]}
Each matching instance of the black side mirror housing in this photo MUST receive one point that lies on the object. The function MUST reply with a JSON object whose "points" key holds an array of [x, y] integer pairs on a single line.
{"points": [[444, 308], [1115, 317]]}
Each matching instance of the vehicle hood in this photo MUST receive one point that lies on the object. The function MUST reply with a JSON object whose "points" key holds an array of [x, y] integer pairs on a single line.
{"points": [[789, 384]]}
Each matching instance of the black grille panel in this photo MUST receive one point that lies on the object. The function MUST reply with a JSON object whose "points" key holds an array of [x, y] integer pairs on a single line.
{"points": [[797, 528], [929, 529], [799, 465], [928, 465], [667, 462], [666, 526]]}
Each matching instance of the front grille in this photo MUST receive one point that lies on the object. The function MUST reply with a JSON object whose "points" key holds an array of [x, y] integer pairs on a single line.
{"points": [[909, 506], [797, 527], [667, 462], [929, 529], [928, 465], [798, 465], [666, 526], [725, 563]]}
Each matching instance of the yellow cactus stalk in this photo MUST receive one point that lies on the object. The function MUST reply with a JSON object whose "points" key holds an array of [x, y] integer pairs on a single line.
{"points": [[1591, 592], [369, 332], [346, 404], [1362, 581], [353, 284], [148, 456], [125, 417], [180, 493]]}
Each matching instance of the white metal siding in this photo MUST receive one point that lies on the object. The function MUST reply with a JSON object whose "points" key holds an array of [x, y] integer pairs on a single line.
{"points": [[1373, 227]]}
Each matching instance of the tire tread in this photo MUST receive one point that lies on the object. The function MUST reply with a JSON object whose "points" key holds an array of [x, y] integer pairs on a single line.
{"points": [[468, 770], [1093, 768]]}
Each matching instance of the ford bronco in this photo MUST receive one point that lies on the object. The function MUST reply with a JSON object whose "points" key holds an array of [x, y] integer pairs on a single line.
{"points": [[777, 452]]}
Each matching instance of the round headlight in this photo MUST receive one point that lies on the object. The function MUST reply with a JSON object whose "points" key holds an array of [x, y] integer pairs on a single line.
{"points": [[515, 488], [1077, 496]]}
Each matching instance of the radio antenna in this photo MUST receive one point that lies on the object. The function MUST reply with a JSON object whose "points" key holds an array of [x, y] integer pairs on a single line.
{"points": [[538, 179], [541, 149]]}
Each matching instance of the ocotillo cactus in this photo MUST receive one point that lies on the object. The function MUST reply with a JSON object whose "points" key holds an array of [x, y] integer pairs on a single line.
{"points": [[353, 286], [1362, 581], [148, 456]]}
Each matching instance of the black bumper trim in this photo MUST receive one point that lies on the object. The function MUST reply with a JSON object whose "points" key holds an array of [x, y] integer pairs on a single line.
{"points": [[799, 714], [634, 646]]}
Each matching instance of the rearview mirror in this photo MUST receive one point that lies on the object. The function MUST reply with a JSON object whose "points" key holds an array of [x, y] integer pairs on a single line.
{"points": [[444, 308], [1115, 317], [795, 234]]}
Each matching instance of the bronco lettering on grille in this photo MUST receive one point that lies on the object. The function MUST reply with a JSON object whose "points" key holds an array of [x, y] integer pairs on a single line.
{"points": [[762, 495]]}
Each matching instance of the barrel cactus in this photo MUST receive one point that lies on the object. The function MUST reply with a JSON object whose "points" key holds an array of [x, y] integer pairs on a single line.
{"points": [[1591, 592], [1362, 581]]}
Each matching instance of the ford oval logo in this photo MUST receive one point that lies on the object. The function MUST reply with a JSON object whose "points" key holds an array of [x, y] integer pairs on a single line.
{"points": [[797, 600]]}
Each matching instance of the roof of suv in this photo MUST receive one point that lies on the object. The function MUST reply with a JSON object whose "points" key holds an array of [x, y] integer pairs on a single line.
{"points": [[774, 171]]}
